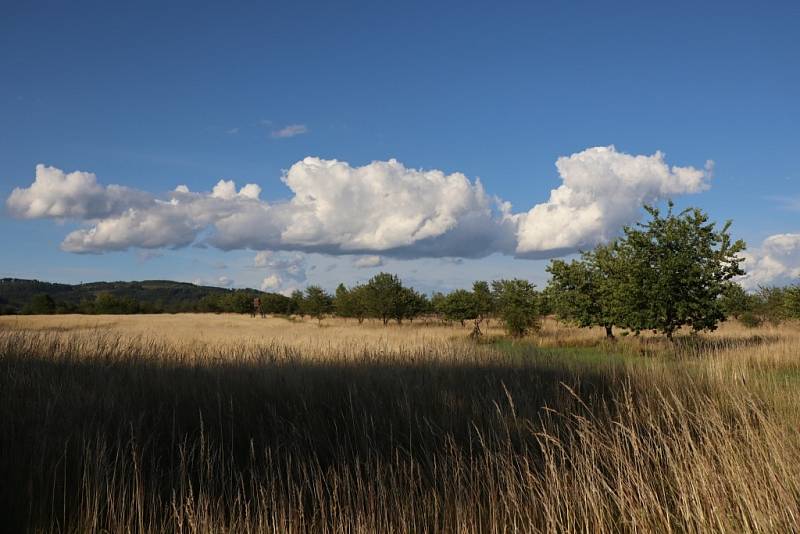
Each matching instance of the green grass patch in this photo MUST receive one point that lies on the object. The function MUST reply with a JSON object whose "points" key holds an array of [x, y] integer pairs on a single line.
{"points": [[596, 357]]}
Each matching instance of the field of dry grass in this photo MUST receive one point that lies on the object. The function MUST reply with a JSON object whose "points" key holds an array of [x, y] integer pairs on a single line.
{"points": [[207, 423]]}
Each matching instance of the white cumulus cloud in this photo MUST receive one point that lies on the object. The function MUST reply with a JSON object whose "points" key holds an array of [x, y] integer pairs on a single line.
{"points": [[376, 210], [602, 191], [382, 206], [226, 189], [365, 262], [75, 195], [775, 262]]}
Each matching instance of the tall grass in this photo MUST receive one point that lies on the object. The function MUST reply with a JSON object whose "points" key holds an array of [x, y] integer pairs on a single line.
{"points": [[411, 429]]}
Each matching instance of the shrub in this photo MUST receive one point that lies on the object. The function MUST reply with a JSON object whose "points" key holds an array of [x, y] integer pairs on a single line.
{"points": [[750, 320]]}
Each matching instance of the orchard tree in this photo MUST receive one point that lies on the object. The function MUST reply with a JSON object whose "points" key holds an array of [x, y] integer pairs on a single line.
{"points": [[517, 305], [484, 300], [384, 296], [484, 305], [414, 304], [342, 302], [358, 302], [586, 291], [735, 301], [438, 305], [317, 303], [275, 303], [297, 303], [791, 302], [770, 304], [459, 305], [676, 268]]}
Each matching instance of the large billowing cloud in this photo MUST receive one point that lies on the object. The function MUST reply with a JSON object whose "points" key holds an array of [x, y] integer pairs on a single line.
{"points": [[603, 190], [383, 207], [775, 262], [76, 195]]}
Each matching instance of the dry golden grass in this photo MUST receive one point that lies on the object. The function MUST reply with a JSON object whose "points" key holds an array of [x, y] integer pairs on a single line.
{"points": [[206, 423], [333, 336]]}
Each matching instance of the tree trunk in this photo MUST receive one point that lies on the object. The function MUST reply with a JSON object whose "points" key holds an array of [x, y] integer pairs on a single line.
{"points": [[476, 331], [609, 331]]}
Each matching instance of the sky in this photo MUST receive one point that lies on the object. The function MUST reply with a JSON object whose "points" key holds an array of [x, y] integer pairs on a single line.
{"points": [[276, 145]]}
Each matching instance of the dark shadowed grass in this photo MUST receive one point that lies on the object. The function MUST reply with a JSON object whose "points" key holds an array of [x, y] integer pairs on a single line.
{"points": [[102, 433]]}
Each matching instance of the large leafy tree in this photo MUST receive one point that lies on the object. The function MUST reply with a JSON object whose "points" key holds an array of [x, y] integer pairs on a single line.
{"points": [[676, 267]]}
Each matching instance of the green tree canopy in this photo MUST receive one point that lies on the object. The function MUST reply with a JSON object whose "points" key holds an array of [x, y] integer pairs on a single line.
{"points": [[41, 304], [735, 301], [517, 305], [586, 291], [676, 267], [317, 302], [460, 305], [384, 297]]}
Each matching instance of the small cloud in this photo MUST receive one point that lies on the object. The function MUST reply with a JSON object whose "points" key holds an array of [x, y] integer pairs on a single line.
{"points": [[265, 122], [453, 261], [365, 262], [232, 131], [291, 130], [224, 281], [226, 190]]}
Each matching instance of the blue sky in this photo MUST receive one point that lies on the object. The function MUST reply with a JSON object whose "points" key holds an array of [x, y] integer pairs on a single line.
{"points": [[152, 96]]}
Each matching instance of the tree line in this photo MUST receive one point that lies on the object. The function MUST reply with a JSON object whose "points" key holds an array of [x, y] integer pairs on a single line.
{"points": [[384, 297], [233, 301], [671, 271]]}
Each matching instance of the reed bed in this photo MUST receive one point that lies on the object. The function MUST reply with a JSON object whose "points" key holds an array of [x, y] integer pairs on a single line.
{"points": [[141, 424]]}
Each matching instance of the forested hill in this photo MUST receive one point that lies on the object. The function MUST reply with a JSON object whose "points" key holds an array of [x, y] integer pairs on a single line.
{"points": [[148, 296]]}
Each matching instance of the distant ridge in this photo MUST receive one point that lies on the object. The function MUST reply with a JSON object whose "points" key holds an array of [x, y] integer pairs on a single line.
{"points": [[149, 296]]}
